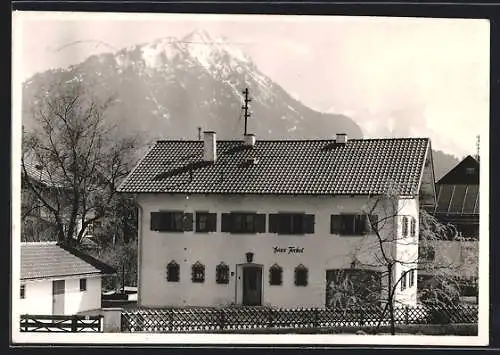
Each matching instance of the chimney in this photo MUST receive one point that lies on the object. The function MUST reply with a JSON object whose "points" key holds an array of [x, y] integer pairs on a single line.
{"points": [[249, 140], [209, 146], [341, 138]]}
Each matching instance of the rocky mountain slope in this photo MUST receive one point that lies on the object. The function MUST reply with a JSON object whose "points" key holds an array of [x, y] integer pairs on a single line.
{"points": [[170, 87]]}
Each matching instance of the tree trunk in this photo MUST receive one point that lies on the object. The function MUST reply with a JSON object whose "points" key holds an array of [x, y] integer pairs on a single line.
{"points": [[390, 299]]}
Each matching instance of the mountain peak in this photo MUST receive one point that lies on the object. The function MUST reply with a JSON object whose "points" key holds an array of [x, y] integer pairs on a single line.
{"points": [[198, 36]]}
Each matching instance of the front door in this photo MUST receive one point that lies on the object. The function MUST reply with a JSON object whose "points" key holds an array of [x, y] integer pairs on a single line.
{"points": [[58, 287], [252, 286]]}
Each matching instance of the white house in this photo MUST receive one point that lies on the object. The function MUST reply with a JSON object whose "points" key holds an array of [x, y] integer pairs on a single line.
{"points": [[253, 222], [57, 280]]}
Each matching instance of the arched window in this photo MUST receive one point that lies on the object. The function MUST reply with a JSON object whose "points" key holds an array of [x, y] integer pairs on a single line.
{"points": [[198, 272], [222, 273], [173, 272], [275, 275], [301, 274], [404, 226]]}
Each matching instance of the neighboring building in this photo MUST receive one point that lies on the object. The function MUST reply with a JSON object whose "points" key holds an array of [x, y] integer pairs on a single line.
{"points": [[38, 222], [57, 280], [458, 198], [458, 205], [255, 222]]}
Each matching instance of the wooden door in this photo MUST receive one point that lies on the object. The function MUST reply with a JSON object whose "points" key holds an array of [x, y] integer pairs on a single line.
{"points": [[58, 288], [252, 286]]}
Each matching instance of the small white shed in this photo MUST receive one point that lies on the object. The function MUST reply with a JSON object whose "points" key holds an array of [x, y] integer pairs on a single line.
{"points": [[58, 280]]}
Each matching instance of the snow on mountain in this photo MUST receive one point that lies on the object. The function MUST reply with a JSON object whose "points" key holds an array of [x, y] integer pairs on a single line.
{"points": [[171, 86]]}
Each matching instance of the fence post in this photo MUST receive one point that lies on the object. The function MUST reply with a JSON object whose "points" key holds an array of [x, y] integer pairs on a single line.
{"points": [[315, 317], [221, 318], [270, 318], [407, 320], [73, 323], [170, 323]]}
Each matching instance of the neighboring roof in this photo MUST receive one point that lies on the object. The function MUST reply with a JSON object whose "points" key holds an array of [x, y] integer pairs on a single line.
{"points": [[303, 167], [458, 199], [458, 190], [48, 259], [40, 174], [464, 173]]}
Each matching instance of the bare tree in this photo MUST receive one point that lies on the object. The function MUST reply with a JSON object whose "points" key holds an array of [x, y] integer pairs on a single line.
{"points": [[391, 249], [82, 157]]}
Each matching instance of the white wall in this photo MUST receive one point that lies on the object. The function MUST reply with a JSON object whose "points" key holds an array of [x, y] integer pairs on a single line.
{"points": [[458, 257], [80, 301], [322, 250], [407, 251], [38, 296]]}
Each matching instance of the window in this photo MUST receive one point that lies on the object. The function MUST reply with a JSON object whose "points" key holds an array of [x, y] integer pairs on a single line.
{"points": [[413, 226], [198, 272], [351, 224], [83, 284], [222, 273], [404, 226], [291, 223], [403, 280], [275, 275], [470, 171], [206, 222], [173, 272], [243, 222], [301, 274], [412, 278], [23, 292], [174, 221]]}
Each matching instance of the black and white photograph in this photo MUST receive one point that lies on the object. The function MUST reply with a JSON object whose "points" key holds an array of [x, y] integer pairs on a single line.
{"points": [[249, 179]]}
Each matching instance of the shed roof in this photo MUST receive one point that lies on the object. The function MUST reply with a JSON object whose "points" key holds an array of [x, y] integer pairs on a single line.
{"points": [[48, 260]]}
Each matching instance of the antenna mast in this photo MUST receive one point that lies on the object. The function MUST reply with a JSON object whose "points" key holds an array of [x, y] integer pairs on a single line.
{"points": [[477, 147], [245, 107]]}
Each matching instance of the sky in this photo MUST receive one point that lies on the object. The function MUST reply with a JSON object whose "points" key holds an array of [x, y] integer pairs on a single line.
{"points": [[418, 77]]}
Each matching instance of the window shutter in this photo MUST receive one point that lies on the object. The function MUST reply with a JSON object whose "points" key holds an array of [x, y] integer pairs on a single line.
{"points": [[309, 223], [260, 223], [155, 221], [212, 222], [364, 224], [188, 222], [335, 224], [273, 223], [226, 223]]}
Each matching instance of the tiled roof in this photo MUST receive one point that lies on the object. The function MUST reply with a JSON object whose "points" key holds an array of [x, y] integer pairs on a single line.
{"points": [[48, 259], [318, 167], [39, 173]]}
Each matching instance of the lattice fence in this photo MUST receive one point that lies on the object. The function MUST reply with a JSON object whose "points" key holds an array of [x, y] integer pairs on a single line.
{"points": [[244, 318]]}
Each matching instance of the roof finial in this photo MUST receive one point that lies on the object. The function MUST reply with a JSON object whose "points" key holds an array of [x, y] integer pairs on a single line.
{"points": [[245, 107]]}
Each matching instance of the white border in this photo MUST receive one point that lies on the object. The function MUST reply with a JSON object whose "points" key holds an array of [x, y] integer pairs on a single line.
{"points": [[229, 339]]}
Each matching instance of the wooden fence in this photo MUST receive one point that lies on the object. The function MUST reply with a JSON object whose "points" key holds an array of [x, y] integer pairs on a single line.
{"points": [[70, 323], [247, 318]]}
